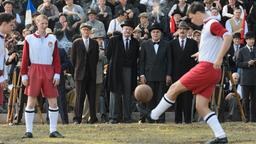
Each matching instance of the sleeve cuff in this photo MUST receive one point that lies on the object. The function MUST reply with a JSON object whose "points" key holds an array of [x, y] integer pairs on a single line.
{"points": [[24, 77], [227, 33], [56, 76], [2, 79]]}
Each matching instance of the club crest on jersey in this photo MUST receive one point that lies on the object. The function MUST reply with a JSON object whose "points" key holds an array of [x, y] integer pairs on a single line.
{"points": [[50, 44]]}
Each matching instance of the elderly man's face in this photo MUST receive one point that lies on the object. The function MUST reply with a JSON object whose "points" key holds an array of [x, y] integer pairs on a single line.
{"points": [[127, 31]]}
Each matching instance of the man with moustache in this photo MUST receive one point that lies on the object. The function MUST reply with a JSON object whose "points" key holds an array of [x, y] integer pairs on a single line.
{"points": [[181, 49], [84, 57], [122, 54], [155, 68]]}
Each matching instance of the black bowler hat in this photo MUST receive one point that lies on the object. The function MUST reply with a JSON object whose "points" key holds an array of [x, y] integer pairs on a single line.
{"points": [[128, 23], [155, 26]]}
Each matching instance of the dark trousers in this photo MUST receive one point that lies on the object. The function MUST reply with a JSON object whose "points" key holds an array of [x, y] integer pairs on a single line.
{"points": [[158, 88], [21, 102], [183, 105], [85, 87], [62, 101], [122, 100], [249, 102]]}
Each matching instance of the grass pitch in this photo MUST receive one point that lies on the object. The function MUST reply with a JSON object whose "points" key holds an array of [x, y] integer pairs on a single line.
{"points": [[169, 133]]}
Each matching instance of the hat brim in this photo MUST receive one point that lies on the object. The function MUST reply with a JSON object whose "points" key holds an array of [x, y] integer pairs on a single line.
{"points": [[90, 28], [7, 2], [156, 29], [122, 25], [183, 27]]}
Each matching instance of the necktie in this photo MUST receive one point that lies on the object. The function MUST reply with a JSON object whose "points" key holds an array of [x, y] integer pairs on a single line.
{"points": [[236, 48], [86, 45], [182, 43], [252, 53], [155, 43], [127, 44]]}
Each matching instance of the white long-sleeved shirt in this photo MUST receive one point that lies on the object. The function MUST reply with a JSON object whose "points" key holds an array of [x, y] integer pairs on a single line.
{"points": [[2, 58]]}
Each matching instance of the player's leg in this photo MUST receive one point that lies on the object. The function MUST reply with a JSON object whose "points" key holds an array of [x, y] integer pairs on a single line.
{"points": [[29, 116], [167, 101], [53, 117], [202, 106]]}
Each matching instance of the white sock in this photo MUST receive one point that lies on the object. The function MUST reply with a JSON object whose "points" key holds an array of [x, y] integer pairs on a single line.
{"points": [[29, 118], [163, 105], [212, 120], [53, 117]]}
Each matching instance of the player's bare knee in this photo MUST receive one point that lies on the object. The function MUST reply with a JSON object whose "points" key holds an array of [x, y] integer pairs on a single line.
{"points": [[30, 106], [53, 105], [175, 90]]}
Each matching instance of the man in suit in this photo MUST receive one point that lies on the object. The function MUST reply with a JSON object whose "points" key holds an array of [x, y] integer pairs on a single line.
{"points": [[122, 54], [233, 51], [84, 55], [181, 49], [246, 60], [155, 68]]}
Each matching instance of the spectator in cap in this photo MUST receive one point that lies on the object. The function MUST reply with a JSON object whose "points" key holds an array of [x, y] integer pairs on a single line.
{"points": [[155, 66], [143, 25], [98, 28], [233, 51], [50, 10], [196, 35], [8, 8], [115, 24], [104, 13], [246, 61], [84, 57], [137, 34], [100, 99], [182, 48], [122, 53]]}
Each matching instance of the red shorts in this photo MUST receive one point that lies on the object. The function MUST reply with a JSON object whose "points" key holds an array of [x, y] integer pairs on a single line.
{"points": [[202, 79], [40, 78]]}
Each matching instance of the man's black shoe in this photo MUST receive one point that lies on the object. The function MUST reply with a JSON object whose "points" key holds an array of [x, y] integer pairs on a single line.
{"points": [[92, 120], [113, 121], [56, 134], [218, 141], [144, 111], [27, 135]]}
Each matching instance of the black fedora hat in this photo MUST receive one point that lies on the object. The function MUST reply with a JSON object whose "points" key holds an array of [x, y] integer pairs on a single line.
{"points": [[155, 26], [128, 23]]}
